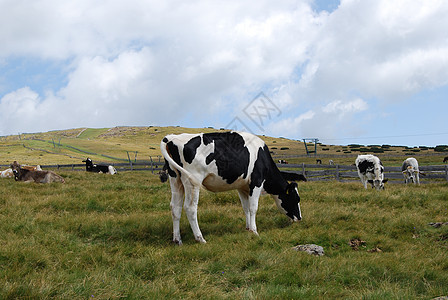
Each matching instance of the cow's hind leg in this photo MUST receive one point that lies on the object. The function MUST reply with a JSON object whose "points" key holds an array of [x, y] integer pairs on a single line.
{"points": [[191, 209], [177, 197]]}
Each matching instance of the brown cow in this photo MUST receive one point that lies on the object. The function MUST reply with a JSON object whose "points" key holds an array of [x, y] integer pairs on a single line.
{"points": [[6, 173], [21, 174]]}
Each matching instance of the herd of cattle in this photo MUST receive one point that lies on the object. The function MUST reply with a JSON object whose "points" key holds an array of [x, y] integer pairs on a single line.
{"points": [[242, 161], [225, 161], [36, 174]]}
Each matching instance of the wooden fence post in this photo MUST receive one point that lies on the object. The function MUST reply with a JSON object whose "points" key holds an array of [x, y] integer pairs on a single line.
{"points": [[337, 172], [446, 172]]}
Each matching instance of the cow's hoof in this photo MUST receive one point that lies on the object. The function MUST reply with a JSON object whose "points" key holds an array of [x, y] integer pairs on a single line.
{"points": [[253, 231], [201, 240], [177, 242]]}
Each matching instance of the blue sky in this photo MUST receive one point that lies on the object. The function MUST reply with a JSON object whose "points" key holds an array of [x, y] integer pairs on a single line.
{"points": [[365, 72]]}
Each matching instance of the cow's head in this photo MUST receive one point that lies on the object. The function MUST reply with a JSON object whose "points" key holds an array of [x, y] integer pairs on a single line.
{"points": [[410, 173], [289, 202], [88, 161], [378, 183], [15, 166]]}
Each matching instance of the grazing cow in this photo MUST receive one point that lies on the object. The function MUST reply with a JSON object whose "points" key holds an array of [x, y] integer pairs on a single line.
{"points": [[445, 159], [220, 162], [331, 162], [370, 170], [318, 161], [21, 174], [282, 161], [90, 167], [8, 173], [410, 171]]}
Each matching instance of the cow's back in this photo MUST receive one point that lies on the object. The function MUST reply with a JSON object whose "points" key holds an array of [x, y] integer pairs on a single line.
{"points": [[219, 161]]}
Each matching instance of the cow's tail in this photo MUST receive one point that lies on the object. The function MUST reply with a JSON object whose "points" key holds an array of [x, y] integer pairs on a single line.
{"points": [[175, 165]]}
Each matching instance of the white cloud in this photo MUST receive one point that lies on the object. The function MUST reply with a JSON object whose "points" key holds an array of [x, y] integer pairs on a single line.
{"points": [[341, 108], [381, 49], [161, 62], [329, 120]]}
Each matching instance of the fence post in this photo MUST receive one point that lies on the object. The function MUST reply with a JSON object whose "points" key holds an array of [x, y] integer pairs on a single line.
{"points": [[152, 166], [446, 172], [303, 169], [337, 172]]}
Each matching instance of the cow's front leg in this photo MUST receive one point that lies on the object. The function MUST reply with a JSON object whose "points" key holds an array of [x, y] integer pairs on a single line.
{"points": [[177, 197], [250, 207], [253, 207], [191, 209]]}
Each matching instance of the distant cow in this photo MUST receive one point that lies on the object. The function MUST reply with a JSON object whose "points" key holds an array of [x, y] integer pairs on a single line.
{"points": [[331, 162], [91, 167], [370, 170], [318, 161], [21, 174], [282, 161], [220, 162], [31, 168], [8, 173], [445, 159], [410, 171]]}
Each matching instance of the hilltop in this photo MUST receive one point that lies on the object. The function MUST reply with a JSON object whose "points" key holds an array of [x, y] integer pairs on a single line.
{"points": [[119, 144]]}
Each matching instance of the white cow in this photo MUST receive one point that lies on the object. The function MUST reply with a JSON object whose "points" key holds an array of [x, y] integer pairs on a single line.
{"points": [[370, 170], [410, 171], [219, 162]]}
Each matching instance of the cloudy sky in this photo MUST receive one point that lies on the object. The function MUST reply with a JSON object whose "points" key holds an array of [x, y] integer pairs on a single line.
{"points": [[349, 71]]}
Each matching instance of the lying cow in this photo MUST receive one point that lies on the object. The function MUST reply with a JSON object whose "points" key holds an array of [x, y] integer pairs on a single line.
{"points": [[8, 173], [90, 167], [220, 162], [21, 174], [370, 170], [31, 168], [410, 171]]}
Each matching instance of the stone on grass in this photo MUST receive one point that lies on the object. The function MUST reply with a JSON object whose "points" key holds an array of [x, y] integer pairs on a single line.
{"points": [[310, 249]]}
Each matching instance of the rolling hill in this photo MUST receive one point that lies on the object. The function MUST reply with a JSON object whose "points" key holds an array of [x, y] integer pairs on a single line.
{"points": [[118, 144]]}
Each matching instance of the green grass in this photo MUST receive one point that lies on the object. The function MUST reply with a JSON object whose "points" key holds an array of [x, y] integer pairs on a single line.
{"points": [[107, 237]]}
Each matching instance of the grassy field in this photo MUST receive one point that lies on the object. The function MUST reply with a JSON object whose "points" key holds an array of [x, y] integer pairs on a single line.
{"points": [[108, 237]]}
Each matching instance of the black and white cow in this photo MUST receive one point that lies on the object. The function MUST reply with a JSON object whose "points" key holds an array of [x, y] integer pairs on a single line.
{"points": [[370, 170], [91, 167], [410, 171], [220, 162]]}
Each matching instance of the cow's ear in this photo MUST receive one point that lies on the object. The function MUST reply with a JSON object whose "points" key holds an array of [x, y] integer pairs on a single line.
{"points": [[370, 181], [289, 176], [385, 180]]}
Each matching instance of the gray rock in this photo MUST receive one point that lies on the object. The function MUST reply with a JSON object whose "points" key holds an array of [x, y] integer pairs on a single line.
{"points": [[438, 224], [310, 249]]}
